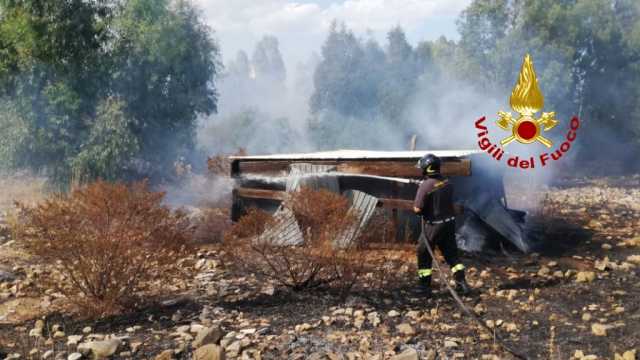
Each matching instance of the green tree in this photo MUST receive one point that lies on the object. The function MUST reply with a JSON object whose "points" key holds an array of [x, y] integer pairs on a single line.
{"points": [[110, 146], [63, 62], [166, 63], [267, 60], [401, 74], [586, 53], [342, 82]]}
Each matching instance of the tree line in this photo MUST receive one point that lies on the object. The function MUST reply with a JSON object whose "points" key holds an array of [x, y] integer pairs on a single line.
{"points": [[108, 89], [114, 89], [586, 54]]}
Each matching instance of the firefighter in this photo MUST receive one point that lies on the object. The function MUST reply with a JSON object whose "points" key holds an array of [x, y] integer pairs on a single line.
{"points": [[434, 202]]}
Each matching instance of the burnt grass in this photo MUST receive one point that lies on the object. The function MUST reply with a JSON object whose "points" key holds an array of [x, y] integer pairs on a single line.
{"points": [[547, 310]]}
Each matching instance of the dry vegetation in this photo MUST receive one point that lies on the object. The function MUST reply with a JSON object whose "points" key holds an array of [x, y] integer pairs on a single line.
{"points": [[322, 216], [108, 241], [578, 300], [220, 165]]}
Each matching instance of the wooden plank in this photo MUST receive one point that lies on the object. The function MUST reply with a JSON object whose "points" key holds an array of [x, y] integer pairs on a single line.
{"points": [[390, 168], [400, 204], [252, 193]]}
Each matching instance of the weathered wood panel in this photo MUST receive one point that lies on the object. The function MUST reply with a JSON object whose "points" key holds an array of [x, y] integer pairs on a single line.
{"points": [[251, 193], [391, 168], [402, 169]]}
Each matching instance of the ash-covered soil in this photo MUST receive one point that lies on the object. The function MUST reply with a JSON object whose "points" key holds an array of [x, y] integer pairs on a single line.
{"points": [[577, 298]]}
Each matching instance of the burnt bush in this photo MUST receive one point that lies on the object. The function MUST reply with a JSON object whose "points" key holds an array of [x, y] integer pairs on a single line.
{"points": [[108, 243], [323, 217], [219, 165]]}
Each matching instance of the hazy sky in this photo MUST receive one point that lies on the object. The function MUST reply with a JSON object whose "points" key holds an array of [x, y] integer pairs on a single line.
{"points": [[302, 25]]}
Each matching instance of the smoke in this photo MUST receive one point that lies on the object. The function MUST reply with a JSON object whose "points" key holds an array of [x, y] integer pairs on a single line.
{"points": [[199, 190], [264, 108]]}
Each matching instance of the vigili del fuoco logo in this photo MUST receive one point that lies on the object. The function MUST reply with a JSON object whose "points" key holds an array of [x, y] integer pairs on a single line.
{"points": [[526, 99]]}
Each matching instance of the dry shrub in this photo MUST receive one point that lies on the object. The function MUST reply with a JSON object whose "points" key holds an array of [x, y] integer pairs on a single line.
{"points": [[211, 225], [109, 243], [380, 229], [322, 217], [250, 225], [220, 165]]}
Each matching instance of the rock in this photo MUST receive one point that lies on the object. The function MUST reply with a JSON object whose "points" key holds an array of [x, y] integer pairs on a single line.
{"points": [[177, 316], [628, 355], [393, 313], [405, 329], [303, 327], [450, 344], [358, 322], [599, 329], [316, 356], [511, 327], [269, 290], [206, 336], [47, 354], [604, 264], [480, 309], [586, 317], [413, 314], [86, 330], [544, 271], [135, 346], [248, 331], [74, 356], [606, 246], [635, 259], [579, 354], [59, 334], [183, 329], [209, 352], [408, 354], [585, 276], [73, 340], [196, 328], [35, 332], [100, 349], [430, 355], [234, 347], [364, 344], [165, 355], [373, 318]]}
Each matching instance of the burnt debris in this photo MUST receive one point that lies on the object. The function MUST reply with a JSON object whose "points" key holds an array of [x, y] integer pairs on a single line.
{"points": [[387, 181]]}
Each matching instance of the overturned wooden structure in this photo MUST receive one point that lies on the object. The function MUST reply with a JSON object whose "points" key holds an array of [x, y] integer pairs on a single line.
{"points": [[392, 178]]}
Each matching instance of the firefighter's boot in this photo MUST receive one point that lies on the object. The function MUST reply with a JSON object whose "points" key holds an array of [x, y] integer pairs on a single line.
{"points": [[461, 283], [424, 282]]}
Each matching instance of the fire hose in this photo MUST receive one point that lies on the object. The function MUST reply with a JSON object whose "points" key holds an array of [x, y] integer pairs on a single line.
{"points": [[478, 319]]}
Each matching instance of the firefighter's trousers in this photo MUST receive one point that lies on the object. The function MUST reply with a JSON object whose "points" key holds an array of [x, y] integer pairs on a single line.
{"points": [[442, 236]]}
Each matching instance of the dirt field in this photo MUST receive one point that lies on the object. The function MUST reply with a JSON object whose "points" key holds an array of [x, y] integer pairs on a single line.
{"points": [[579, 297]]}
